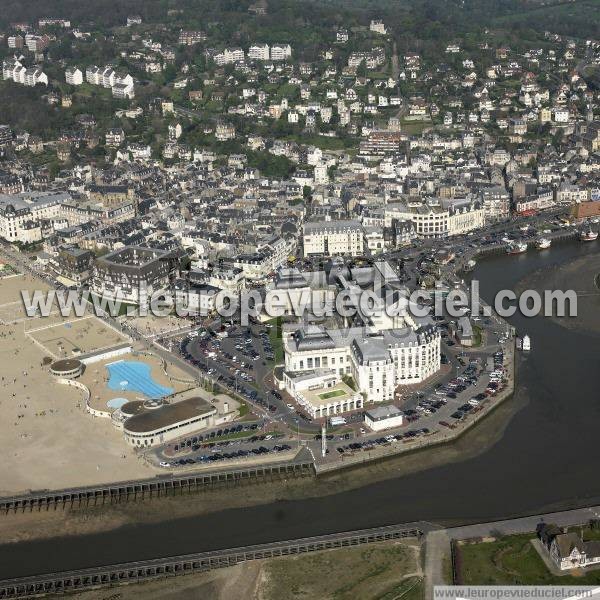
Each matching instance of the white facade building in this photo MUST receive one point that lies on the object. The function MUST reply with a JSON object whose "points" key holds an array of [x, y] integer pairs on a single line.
{"points": [[439, 218], [378, 26], [383, 417], [229, 55], [379, 361], [281, 51], [21, 214], [333, 238], [392, 348], [74, 76], [15, 70], [259, 52]]}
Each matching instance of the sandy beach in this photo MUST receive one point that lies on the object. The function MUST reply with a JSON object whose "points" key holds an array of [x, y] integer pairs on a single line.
{"points": [[47, 440]]}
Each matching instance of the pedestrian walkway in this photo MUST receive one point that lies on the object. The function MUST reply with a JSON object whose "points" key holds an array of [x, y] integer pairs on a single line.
{"points": [[437, 557]]}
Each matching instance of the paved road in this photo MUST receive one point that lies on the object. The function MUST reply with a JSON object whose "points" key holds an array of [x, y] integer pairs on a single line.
{"points": [[525, 524]]}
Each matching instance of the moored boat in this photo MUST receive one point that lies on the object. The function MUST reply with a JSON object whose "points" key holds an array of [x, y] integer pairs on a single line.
{"points": [[543, 243], [471, 264], [588, 235], [517, 248]]}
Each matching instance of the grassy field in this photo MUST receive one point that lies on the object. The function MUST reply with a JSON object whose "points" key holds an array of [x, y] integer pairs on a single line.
{"points": [[414, 127], [323, 142], [410, 589], [513, 560], [386, 571], [381, 572], [275, 339]]}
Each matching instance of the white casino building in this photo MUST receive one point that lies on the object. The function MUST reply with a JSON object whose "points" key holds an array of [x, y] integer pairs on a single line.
{"points": [[381, 351]]}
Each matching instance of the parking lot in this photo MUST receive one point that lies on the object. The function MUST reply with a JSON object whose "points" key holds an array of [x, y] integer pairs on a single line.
{"points": [[237, 441], [241, 359], [447, 407]]}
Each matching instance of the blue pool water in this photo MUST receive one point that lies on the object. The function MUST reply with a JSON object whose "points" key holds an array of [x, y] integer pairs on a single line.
{"points": [[134, 376], [117, 402]]}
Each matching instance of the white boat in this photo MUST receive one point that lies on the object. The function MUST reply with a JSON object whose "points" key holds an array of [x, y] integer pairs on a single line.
{"points": [[517, 248], [588, 235], [526, 344], [470, 265], [543, 243]]}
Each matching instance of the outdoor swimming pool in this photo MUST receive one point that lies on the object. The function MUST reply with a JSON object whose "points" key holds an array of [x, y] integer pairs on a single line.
{"points": [[117, 403], [134, 376]]}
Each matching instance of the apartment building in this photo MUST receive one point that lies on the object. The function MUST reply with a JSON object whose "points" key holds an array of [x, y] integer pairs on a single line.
{"points": [[281, 51], [568, 193], [36, 43], [74, 76], [496, 203], [259, 52], [333, 238], [264, 262], [16, 41], [229, 56], [224, 132], [439, 218], [121, 84], [93, 75], [21, 215], [15, 70], [189, 38], [128, 272], [115, 137], [378, 26]]}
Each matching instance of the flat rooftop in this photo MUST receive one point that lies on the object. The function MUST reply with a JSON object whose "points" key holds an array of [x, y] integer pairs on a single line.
{"points": [[381, 413], [154, 419], [65, 365], [324, 396]]}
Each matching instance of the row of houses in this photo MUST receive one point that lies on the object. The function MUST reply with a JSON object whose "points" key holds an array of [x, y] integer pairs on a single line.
{"points": [[13, 69], [276, 52], [397, 224], [121, 83]]}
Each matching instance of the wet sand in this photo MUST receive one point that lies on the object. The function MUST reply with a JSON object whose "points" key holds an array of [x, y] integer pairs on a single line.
{"points": [[18, 527], [580, 275]]}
